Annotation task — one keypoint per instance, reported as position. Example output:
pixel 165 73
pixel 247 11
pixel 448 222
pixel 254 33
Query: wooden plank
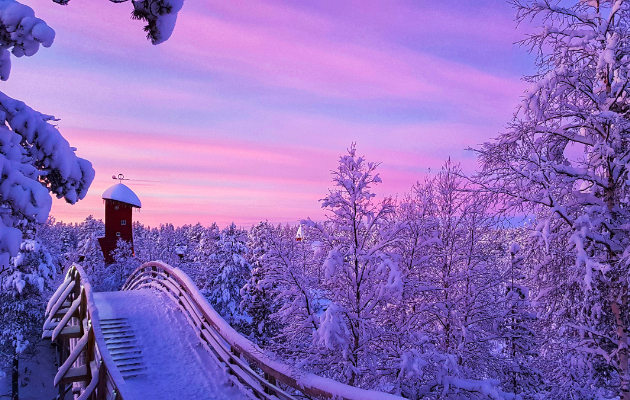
pixel 61 303
pixel 88 391
pixel 76 374
pixel 61 313
pixel 70 332
pixel 272 380
pixel 66 318
pixel 250 382
pixel 55 296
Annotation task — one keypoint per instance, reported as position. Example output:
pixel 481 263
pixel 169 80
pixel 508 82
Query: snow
pixel 36 375
pixel 177 364
pixel 160 16
pixel 23 33
pixel 332 331
pixel 122 193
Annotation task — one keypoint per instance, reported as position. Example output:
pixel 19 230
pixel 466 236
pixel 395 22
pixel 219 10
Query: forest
pixel 433 294
pixel 510 282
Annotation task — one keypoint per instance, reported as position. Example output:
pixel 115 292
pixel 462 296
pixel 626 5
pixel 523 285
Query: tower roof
pixel 122 193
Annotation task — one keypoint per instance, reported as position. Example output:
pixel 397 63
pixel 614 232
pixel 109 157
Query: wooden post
pixel 76 291
pixel 62 391
pixel 271 379
pixel 60 352
pixel 101 388
pixel 89 353
pixel 235 354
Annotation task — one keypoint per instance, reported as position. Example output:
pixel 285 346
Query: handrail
pixel 241 356
pixel 84 361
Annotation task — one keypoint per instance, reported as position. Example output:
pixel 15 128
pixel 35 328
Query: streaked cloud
pixel 241 115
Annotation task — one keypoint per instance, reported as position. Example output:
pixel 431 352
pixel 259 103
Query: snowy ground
pixel 178 367
pixel 36 375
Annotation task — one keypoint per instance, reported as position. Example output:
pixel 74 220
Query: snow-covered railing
pixel 72 322
pixel 242 357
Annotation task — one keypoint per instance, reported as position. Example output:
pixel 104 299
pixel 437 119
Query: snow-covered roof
pixel 122 193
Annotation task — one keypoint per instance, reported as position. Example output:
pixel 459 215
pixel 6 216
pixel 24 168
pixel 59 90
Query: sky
pixel 242 114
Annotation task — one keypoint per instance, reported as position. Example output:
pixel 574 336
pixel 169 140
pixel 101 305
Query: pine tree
pixel 22 288
pixel 288 271
pixel 259 304
pixel 203 269
pixel 124 264
pixel 233 271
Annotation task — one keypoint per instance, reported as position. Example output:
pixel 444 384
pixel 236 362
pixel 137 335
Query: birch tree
pixel 452 254
pixel 565 158
pixel 360 276
pixel 282 297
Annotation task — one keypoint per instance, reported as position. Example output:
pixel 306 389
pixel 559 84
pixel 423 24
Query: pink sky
pixel 243 112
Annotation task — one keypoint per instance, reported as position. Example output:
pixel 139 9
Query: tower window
pixel 123 222
pixel 115 207
pixel 117 233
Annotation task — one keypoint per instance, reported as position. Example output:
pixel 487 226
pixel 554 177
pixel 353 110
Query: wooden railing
pixel 85 365
pixel 242 358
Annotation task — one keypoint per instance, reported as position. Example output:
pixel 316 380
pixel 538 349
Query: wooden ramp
pixel 156 350
pixel 159 338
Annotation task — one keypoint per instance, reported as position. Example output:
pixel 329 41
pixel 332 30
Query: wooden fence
pixel 85 366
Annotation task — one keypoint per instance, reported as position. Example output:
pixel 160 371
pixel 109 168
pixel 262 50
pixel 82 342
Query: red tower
pixel 119 204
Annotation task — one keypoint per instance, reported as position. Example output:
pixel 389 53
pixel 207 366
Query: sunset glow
pixel 243 112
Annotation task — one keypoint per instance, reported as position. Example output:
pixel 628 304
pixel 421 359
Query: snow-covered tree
pixel 259 291
pixel 232 271
pixel 517 330
pixel 36 158
pixel 451 264
pixel 145 242
pixel 360 276
pixel 201 267
pixel 258 303
pixel 160 16
pixel 111 277
pixel 207 243
pixel 168 241
pixel 22 286
pixel 286 270
pixel 59 239
pixel 565 159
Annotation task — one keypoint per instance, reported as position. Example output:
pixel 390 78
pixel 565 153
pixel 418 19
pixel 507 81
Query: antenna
pixel 120 177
